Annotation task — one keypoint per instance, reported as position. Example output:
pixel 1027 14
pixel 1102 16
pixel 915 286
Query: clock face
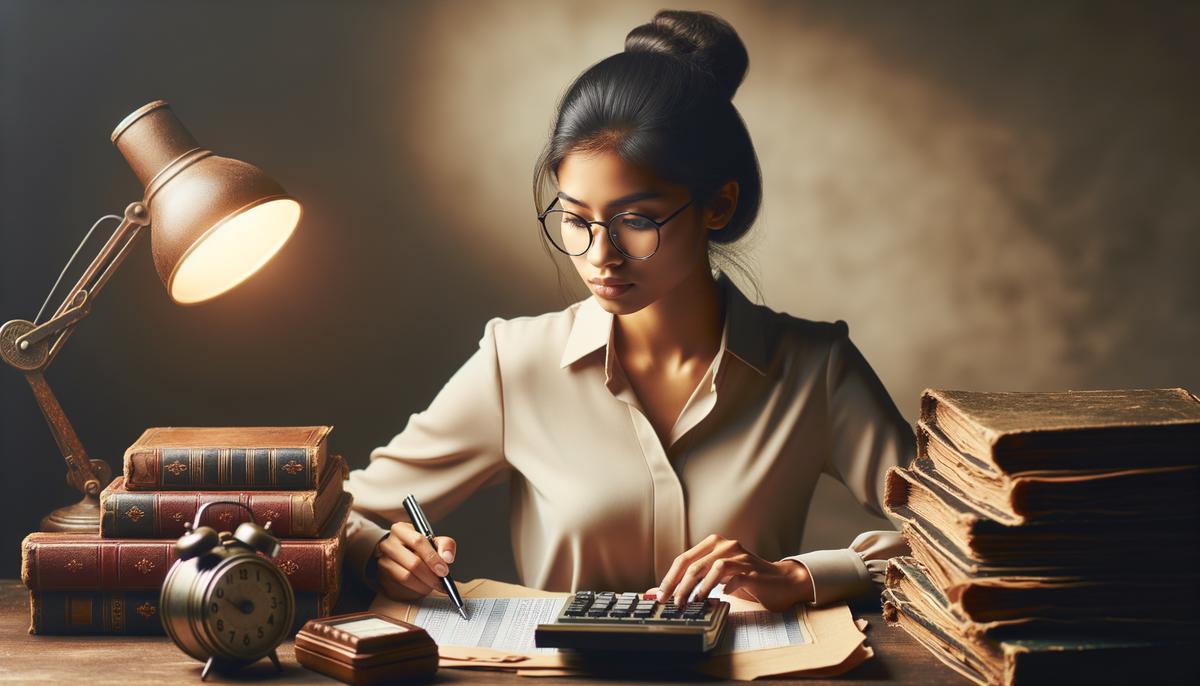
pixel 247 607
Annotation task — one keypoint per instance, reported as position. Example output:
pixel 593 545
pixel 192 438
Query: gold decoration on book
pixel 73 565
pixel 146 610
pixel 289 567
pixel 143 565
pixel 225 517
pixel 118 614
pixel 176 467
pixel 292 467
pixel 135 513
pixel 271 515
pixel 177 517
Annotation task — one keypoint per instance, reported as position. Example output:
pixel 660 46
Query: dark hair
pixel 665 104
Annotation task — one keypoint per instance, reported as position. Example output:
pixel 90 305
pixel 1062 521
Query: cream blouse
pixel 597 500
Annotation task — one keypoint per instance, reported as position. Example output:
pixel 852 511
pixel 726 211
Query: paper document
pixel 761 629
pixel 500 623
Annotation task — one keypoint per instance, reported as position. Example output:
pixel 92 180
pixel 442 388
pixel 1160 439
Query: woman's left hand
pixel 716 560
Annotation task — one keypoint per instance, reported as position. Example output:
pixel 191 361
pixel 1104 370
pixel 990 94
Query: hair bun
pixel 702 39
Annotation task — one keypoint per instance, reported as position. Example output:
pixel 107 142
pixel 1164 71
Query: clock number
pixel 213 608
pixel 271 619
pixel 243 574
pixel 260 632
pixel 246 640
pixel 268 587
pixel 220 592
pixel 273 603
pixel 220 625
pixel 231 633
pixel 229 577
pixel 258 575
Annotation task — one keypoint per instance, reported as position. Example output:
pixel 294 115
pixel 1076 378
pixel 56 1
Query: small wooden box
pixel 366 648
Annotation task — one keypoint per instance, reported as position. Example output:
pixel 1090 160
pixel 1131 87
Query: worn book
pixel 79 561
pixel 164 514
pixel 1067 654
pixel 131 613
pixel 1014 432
pixel 1048 494
pixel 984 535
pixel 998 600
pixel 233 457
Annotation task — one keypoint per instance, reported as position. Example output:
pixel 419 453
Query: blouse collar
pixel 742 333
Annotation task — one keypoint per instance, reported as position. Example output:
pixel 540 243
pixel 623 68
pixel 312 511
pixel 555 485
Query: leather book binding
pixel 235 458
pixel 1012 432
pixel 82 561
pixel 163 514
pixel 131 613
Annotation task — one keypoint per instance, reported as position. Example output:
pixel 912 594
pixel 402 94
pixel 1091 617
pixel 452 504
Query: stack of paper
pixel 805 641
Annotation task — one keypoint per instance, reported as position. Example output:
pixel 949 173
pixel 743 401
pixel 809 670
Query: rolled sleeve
pixel 844 573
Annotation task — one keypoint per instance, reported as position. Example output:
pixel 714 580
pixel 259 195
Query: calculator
pixel 634 622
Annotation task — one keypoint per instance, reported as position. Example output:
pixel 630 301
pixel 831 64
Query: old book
pixel 994 601
pixel 1046 494
pixel 75 561
pixel 1014 432
pixel 233 457
pixel 131 613
pixel 163 514
pixel 1071 656
pixel 983 535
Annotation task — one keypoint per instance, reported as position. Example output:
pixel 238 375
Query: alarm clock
pixel 222 602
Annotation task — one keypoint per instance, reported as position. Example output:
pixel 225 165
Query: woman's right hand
pixel 409 567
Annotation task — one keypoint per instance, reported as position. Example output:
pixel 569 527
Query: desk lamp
pixel 213 221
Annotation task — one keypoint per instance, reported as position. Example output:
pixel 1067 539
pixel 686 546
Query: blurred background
pixel 1000 196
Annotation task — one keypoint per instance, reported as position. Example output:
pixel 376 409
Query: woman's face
pixel 597 185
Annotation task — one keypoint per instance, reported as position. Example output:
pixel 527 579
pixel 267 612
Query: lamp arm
pixel 24 346
pixel 84 473
pixel 78 303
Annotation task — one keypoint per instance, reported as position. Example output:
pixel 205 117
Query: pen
pixel 417 517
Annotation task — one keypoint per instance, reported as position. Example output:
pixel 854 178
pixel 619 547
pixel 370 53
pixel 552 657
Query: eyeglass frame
pixel 608 229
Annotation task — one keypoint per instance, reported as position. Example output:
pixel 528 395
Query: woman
pixel 665 432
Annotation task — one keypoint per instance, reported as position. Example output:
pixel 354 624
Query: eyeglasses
pixel 634 235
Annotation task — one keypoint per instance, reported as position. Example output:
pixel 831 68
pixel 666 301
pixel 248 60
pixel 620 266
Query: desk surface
pixel 141 660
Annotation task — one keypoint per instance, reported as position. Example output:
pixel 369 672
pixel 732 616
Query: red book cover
pixel 163 514
pixel 75 561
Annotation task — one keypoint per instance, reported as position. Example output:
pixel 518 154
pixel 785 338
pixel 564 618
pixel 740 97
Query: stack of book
pixel 1053 535
pixel 108 582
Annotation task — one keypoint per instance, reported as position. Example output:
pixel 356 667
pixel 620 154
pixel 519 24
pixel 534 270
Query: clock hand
pixel 246 606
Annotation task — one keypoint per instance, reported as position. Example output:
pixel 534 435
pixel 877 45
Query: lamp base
pixel 83 516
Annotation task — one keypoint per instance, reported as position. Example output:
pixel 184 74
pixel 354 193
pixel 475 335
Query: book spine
pixel 221 468
pixel 134 565
pixel 125 514
pixel 130 613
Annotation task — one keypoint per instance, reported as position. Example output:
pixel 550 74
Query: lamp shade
pixel 214 221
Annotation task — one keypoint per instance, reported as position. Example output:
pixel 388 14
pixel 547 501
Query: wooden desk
pixel 151 660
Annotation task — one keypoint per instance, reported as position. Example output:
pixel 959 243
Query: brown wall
pixel 992 195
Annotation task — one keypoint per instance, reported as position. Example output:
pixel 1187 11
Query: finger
pixel 696 571
pixel 720 572
pixel 414 541
pixel 679 566
pixel 403 577
pixel 446 547
pixel 408 559
pixel 654 592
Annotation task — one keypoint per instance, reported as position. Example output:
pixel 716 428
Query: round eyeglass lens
pixel 636 235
